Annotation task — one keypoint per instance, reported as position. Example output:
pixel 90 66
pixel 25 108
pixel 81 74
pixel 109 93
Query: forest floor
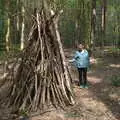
pixel 101 101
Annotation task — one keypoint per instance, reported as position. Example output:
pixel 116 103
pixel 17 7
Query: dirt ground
pixel 101 101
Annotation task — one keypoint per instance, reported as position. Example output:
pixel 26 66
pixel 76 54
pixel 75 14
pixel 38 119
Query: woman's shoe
pixel 86 86
pixel 81 86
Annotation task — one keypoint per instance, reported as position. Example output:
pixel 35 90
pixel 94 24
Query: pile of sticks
pixel 42 79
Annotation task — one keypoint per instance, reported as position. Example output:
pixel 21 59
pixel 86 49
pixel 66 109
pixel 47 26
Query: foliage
pixel 114 51
pixel 23 113
pixel 75 23
pixel 115 80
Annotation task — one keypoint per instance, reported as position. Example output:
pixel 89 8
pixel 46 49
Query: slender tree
pixel 103 21
pixel 22 28
pixel 93 23
pixel 7 38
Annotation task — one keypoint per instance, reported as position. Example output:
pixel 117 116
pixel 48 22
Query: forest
pixel 39 40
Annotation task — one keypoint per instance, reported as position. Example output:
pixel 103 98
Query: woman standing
pixel 81 61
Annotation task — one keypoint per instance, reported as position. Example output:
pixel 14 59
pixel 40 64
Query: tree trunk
pixel 8 35
pixel 23 29
pixel 18 19
pixel 103 23
pixel 93 24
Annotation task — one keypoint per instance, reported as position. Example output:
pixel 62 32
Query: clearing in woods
pixel 101 101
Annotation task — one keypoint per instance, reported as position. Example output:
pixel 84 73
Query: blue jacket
pixel 81 59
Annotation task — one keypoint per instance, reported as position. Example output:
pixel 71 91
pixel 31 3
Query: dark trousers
pixel 82 76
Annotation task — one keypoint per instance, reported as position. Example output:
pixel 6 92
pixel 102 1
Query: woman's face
pixel 80 47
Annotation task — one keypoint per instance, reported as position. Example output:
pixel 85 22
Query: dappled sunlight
pixel 115 96
pixel 96 102
pixel 100 107
pixel 102 98
pixel 109 96
pixel 114 65
pixel 94 80
pixel 111 93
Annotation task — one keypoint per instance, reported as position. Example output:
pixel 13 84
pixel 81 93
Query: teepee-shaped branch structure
pixel 42 78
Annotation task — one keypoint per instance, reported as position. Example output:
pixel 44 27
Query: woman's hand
pixel 71 60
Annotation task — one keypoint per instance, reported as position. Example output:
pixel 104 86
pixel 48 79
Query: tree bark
pixel 8 35
pixel 93 24
pixel 103 21
pixel 41 80
pixel 23 28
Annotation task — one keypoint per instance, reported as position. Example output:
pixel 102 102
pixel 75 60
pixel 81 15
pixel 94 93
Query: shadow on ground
pixel 100 85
